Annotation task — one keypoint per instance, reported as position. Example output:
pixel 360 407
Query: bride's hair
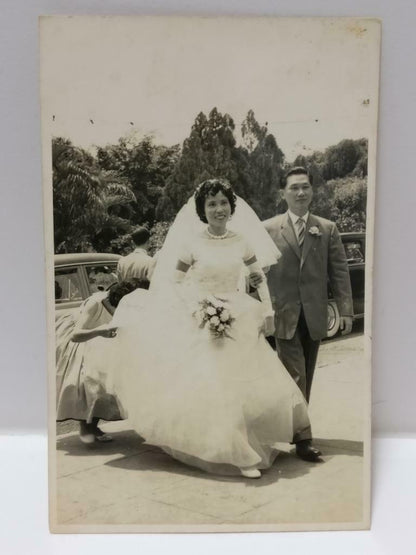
pixel 211 187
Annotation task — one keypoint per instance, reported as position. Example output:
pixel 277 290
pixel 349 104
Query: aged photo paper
pixel 169 410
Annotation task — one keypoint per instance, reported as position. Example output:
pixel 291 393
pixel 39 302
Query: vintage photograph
pixel 209 190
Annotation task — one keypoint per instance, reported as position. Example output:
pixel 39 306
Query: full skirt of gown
pixel 220 404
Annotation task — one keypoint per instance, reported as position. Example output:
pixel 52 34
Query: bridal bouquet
pixel 215 314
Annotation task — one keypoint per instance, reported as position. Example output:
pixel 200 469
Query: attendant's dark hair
pixel 140 236
pixel 210 188
pixel 117 291
pixel 297 170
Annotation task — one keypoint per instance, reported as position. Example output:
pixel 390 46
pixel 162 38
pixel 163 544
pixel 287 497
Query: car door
pixel 100 276
pixel 70 287
pixel 355 251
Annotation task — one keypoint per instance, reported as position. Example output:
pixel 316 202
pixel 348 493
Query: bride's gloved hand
pixel 255 279
pixel 269 327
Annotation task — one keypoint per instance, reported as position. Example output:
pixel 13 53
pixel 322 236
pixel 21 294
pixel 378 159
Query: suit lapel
pixel 289 235
pixel 309 238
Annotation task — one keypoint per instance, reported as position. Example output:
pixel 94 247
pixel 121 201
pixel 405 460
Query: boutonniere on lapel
pixel 315 231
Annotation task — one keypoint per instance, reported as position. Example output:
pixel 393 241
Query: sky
pixel 313 81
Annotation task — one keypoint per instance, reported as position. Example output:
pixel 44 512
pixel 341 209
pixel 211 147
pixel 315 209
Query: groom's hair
pixel 211 187
pixel 297 170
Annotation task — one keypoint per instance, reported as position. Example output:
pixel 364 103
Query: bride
pixel 194 369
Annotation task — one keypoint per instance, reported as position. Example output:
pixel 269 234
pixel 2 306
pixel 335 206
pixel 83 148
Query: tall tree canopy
pixel 261 163
pixel 208 152
pixel 87 200
pixel 253 168
pixel 145 167
pixel 99 199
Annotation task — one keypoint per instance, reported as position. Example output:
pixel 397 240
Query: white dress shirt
pixel 138 264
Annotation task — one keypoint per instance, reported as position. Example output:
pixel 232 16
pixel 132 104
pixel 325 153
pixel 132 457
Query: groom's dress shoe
pixel 306 452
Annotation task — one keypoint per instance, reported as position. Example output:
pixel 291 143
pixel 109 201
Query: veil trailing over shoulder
pixel 187 225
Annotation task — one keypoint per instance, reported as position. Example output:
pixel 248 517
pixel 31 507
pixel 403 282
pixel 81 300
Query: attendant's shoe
pixel 85 434
pixel 306 452
pixel 101 436
pixel 250 472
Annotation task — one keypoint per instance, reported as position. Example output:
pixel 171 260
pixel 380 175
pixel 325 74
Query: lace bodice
pixel 217 265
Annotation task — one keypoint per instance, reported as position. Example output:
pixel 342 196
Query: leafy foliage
pixel 145 167
pixel 88 202
pixel 157 237
pixel 99 200
pixel 261 167
pixel 348 157
pixel 208 152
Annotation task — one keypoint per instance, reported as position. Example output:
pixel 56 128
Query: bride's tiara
pixel 213 181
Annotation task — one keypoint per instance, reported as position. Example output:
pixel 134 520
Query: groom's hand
pixel 345 325
pixel 255 278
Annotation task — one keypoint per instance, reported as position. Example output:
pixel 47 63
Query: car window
pixel 354 252
pixel 101 276
pixel 67 285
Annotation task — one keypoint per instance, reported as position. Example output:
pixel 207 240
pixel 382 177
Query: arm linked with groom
pixel 312 255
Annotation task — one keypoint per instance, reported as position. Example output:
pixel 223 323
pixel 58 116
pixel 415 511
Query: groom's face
pixel 298 193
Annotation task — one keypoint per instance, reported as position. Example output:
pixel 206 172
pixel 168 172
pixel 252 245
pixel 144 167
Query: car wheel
pixel 333 319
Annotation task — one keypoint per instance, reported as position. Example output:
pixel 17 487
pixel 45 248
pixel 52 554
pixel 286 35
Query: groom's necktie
pixel 300 224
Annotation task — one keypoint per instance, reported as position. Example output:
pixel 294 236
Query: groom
pixel 312 256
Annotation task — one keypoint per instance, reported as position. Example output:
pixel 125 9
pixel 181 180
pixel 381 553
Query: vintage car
pixel 77 276
pixel 354 244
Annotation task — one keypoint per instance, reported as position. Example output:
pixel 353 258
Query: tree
pixel 208 152
pixel 350 200
pixel 145 166
pixel 341 159
pixel 86 199
pixel 343 201
pixel 315 166
pixel 253 168
pixel 262 170
pixel 99 199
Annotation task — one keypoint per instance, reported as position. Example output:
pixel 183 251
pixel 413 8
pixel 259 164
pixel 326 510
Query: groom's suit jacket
pixel 300 278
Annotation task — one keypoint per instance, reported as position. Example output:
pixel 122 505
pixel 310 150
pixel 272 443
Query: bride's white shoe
pixel 250 472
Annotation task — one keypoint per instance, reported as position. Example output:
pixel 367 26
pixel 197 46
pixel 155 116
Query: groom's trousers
pixel 299 356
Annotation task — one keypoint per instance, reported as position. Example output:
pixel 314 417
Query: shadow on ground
pixel 136 455
pixel 331 447
pixel 125 443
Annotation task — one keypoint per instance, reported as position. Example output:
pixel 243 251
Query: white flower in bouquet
pixel 214 320
pixel 216 313
pixel 212 300
pixel 225 315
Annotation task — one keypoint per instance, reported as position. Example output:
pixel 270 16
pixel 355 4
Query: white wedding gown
pixel 218 404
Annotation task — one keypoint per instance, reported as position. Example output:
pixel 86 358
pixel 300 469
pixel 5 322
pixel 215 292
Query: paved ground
pixel 129 482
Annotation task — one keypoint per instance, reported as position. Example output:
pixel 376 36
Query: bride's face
pixel 217 209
